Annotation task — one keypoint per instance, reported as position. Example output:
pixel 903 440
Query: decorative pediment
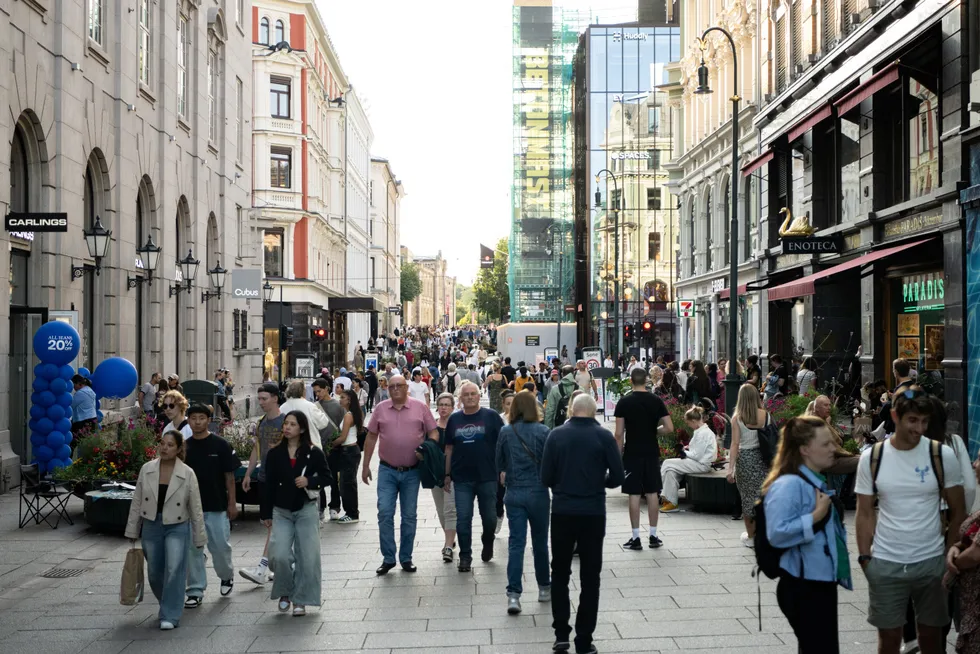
pixel 216 23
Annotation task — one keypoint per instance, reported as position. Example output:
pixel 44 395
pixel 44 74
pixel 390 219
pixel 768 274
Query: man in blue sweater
pixel 581 460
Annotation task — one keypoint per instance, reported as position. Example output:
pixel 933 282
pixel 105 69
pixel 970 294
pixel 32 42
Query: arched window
pixel 690 237
pixel 707 230
pixel 264 31
pixel 280 32
pixel 94 197
pixel 212 315
pixel 145 209
pixel 182 226
pixel 656 291
pixel 726 223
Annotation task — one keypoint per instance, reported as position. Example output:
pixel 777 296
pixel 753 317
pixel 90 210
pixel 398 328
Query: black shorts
pixel 642 475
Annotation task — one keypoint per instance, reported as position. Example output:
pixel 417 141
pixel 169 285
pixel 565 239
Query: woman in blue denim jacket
pixel 520 447
pixel 805 518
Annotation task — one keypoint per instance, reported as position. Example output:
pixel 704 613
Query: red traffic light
pixel 647 325
pixel 319 332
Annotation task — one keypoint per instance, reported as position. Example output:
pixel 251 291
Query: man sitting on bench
pixel 698 457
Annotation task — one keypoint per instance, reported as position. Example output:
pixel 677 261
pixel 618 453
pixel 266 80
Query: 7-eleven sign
pixel 685 308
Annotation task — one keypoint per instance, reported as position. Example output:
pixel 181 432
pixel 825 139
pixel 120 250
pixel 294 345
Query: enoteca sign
pixel 813 244
pixel 246 283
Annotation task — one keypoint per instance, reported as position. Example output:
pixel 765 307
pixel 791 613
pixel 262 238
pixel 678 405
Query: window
pixel 280 32
pixel 616 196
pixel 96 18
pixel 653 159
pixel 182 57
pixel 281 167
pixel 371 192
pixel 237 341
pixel 653 199
pixel 239 119
pixel 212 96
pixel 726 227
pixel 780 49
pixel 850 166
pixel 239 11
pixel 653 246
pixel 796 33
pixel 240 329
pixel 241 225
pixel 923 139
pixel 264 31
pixel 373 276
pixel 708 217
pixel 279 88
pixel 653 120
pixel 829 24
pixel 272 244
pixel 144 41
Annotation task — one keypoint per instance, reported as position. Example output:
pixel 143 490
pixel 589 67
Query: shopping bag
pixel 131 586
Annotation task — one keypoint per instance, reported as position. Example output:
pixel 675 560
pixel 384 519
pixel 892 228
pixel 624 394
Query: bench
pixel 710 492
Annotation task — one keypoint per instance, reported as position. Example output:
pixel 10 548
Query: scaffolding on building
pixel 541 250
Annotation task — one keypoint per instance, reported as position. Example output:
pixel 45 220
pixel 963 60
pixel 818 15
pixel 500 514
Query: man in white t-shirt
pixel 907 559
pixel 418 389
pixel 148 394
pixel 584 380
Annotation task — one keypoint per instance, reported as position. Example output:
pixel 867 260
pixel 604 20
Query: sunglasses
pixel 169 405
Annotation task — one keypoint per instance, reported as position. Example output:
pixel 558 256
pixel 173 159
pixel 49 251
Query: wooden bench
pixel 710 492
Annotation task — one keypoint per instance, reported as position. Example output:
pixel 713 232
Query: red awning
pixel 811 121
pixel 804 286
pixel 884 77
pixel 758 162
pixel 725 292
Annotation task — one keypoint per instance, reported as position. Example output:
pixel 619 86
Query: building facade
pixel 362 323
pixel 436 303
pixel 863 131
pixel 384 270
pixel 701 178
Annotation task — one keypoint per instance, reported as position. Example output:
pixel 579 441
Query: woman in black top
pixel 295 471
pixel 698 384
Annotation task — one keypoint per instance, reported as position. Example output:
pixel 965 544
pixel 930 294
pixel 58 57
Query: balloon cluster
pixel 56 345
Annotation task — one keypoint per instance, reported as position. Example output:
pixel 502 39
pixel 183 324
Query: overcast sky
pixel 435 76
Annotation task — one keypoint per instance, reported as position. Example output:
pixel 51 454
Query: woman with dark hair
pixel 753 373
pixel 345 456
pixel 802 520
pixel 716 388
pixel 776 381
pixel 698 384
pixel 806 378
pixel 295 472
pixel 668 386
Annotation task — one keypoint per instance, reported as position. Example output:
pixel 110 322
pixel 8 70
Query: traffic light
pixel 627 332
pixel 285 337
pixel 319 333
pixel 647 326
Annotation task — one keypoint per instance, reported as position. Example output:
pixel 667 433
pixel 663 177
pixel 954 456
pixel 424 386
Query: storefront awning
pixel 355 305
pixel 808 123
pixel 758 162
pixel 884 77
pixel 725 292
pixel 805 286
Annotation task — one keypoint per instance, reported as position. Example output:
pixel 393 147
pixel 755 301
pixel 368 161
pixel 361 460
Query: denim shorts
pixel 890 585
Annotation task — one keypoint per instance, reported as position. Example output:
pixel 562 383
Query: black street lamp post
pixel 732 380
pixel 615 214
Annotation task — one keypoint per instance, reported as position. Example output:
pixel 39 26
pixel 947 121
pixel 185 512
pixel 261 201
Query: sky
pixel 435 77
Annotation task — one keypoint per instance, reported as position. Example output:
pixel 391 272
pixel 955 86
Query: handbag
pixel 131 585
pixel 314 495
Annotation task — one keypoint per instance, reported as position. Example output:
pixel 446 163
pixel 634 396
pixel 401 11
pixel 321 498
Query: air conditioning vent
pixel 854 19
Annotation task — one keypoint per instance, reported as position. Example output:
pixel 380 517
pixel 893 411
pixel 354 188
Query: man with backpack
pixel 556 406
pixel 902 548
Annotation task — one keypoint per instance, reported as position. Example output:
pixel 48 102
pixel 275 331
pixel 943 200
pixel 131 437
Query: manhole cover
pixel 62 573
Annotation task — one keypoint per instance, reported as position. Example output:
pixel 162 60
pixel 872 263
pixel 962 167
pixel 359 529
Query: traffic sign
pixel 593 357
pixel 685 308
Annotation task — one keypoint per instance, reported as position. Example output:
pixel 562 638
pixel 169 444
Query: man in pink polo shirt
pixel 398 426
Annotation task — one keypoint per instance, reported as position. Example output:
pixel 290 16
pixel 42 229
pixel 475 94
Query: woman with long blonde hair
pixel 746 468
pixel 802 520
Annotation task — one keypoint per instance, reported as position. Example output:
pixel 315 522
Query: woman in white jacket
pixel 167 501
pixel 700 453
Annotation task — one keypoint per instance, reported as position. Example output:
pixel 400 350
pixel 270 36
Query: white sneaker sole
pixel 254 578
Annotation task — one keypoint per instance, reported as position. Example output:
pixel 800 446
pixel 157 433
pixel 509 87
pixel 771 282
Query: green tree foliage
pixel 411 282
pixel 491 293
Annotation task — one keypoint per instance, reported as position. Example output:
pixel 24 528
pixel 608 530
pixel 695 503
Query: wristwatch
pixel 864 558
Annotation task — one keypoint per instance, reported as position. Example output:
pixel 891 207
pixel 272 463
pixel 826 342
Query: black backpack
pixel 451 383
pixel 768 440
pixel 561 411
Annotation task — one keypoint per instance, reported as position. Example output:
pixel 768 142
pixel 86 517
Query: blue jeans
pixel 527 504
pixel 404 487
pixel 219 532
pixel 485 492
pixel 295 539
pixel 165 548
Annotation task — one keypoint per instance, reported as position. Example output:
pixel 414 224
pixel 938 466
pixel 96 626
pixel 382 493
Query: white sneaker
pixel 746 541
pixel 257 575
pixel 283 604
pixel 166 625
pixel 544 594
pixel 500 525
pixel 911 647
pixel 298 611
pixel 334 514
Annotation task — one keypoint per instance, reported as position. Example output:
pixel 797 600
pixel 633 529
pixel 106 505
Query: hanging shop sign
pixel 685 308
pixel 813 244
pixel 36 222
pixel 246 283
pixel 925 292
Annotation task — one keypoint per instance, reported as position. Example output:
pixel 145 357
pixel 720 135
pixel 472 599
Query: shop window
pixel 18 277
pixel 279 90
pixel 280 169
pixel 653 246
pixel 918 325
pixel 653 199
pixel 272 245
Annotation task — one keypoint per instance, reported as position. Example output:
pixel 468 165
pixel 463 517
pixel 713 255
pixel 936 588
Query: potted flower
pixel 116 452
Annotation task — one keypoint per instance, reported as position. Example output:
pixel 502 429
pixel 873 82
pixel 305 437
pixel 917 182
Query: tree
pixel 411 283
pixel 491 293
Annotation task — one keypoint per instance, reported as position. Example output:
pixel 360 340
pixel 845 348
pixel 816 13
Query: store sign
pixel 550 353
pixel 532 341
pixel 812 244
pixel 629 155
pixel 718 285
pixel 617 37
pixel 911 225
pixel 925 292
pixel 36 222
pixel 685 308
pixel 246 283
pixel 24 236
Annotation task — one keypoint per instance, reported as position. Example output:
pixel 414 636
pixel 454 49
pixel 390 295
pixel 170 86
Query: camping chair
pixel 42 499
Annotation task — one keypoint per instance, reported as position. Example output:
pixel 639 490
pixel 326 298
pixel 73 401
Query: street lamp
pixel 267 289
pixel 217 275
pixel 149 254
pixel 732 379
pixel 615 214
pixel 188 271
pixel 97 241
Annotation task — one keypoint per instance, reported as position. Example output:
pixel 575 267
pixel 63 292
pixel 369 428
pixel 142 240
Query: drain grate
pixel 63 573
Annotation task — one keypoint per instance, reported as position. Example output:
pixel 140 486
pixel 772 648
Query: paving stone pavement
pixel 694 595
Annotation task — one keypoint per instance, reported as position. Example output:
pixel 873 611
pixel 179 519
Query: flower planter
pixel 108 510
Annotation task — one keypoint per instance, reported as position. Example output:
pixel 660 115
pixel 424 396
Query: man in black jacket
pixel 581 459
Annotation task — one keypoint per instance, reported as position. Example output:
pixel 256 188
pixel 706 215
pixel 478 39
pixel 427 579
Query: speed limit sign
pixel 593 358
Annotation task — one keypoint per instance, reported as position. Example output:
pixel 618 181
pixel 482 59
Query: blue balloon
pixel 45 399
pixel 39 384
pixel 37 369
pixel 43 453
pixel 55 412
pixel 44 426
pixel 83 371
pixel 99 415
pixel 63 425
pixel 65 400
pixel 67 410
pixel 56 342
pixel 54 464
pixel 114 378
pixel 68 438
pixel 37 440
pixel 37 412
pixel 34 397
pixel 66 372
pixel 63 452
pixel 32 424
pixel 55 440
pixel 59 386
pixel 49 371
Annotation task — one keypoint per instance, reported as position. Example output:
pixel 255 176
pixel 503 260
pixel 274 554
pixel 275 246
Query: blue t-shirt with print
pixel 474 441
